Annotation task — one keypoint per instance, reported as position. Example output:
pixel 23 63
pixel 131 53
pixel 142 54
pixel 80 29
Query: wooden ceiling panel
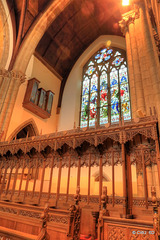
pixel 75 29
pixel 76 48
pixel 51 55
pixel 58 25
pixel 78 21
pixel 62 66
pixel 64 36
pixel 44 44
pixel 72 9
pixel 88 33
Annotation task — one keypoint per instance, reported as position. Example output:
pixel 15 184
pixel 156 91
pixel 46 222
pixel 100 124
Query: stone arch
pixel 23 125
pixel 69 114
pixel 36 32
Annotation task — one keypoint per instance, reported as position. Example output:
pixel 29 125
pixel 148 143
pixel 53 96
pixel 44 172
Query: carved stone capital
pixel 18 75
pixel 12 74
pixel 4 73
pixel 128 18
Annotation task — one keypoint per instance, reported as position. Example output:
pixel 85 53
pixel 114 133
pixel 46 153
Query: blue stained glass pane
pixel 126 110
pixel 113 77
pixel 99 60
pixel 104 115
pixel 85 89
pixel 90 70
pixel 94 83
pixel 109 51
pixel 84 119
pixel 124 93
pixel 97 56
pixel 85 103
pixel 103 50
pixel 117 61
pixel 103 81
pixel 115 112
pixel 123 75
pixel 108 57
pixel 114 82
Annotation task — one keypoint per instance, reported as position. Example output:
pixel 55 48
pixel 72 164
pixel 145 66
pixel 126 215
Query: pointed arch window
pixel 105 88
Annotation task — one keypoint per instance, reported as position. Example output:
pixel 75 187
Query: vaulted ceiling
pixel 72 31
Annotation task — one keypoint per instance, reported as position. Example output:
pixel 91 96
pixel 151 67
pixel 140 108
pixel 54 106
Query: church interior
pixel 81 160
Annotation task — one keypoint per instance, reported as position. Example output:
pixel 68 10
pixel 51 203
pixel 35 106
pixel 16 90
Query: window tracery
pixel 105 88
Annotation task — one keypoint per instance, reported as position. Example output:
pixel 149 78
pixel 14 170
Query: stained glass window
pixel 105 88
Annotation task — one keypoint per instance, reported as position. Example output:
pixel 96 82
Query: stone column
pixel 135 78
pixel 142 54
pixel 131 76
pixel 10 83
pixel 152 70
pixel 136 65
pixel 5 78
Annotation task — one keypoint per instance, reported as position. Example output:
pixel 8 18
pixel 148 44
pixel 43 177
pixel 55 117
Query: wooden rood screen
pixel 48 168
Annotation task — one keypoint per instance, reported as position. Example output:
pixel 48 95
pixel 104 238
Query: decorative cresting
pixel 10 82
pixel 73 138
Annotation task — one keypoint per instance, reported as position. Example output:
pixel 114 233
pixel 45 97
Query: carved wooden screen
pixel 105 88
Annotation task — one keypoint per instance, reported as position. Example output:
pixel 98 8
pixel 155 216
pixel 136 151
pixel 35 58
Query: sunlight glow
pixel 125 2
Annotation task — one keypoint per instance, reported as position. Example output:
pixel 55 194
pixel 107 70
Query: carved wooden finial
pixel 155 210
pixel 77 196
pixel 104 200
